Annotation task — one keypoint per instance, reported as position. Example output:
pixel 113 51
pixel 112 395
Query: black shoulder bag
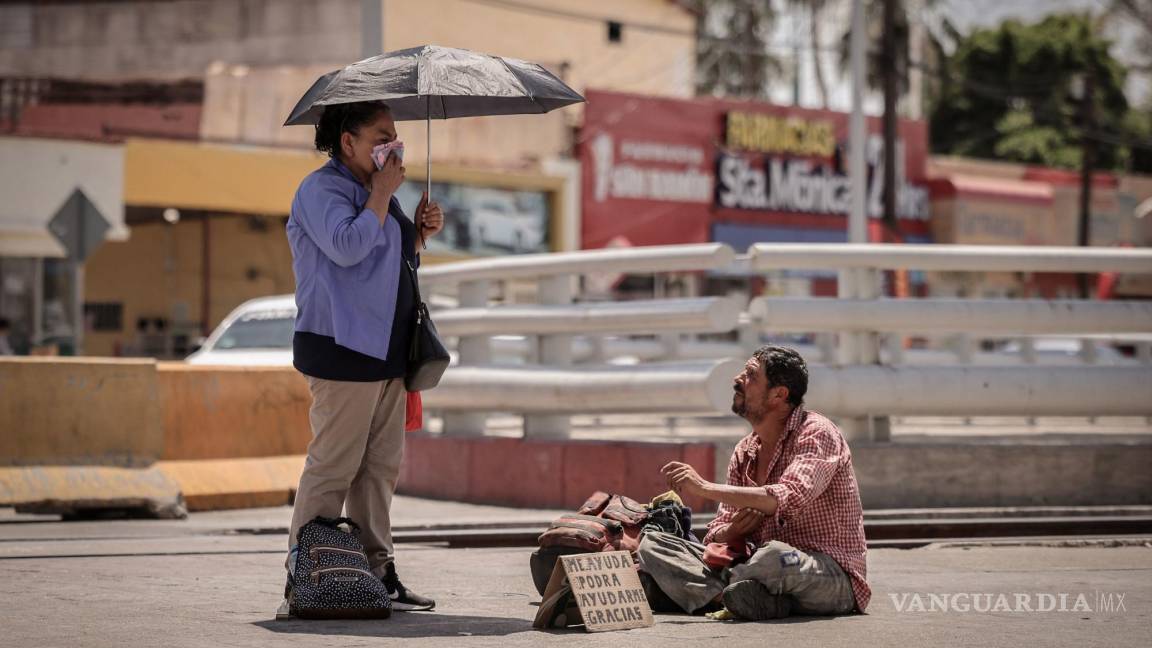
pixel 427 357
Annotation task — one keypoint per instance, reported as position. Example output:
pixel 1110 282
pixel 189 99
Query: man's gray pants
pixel 815 581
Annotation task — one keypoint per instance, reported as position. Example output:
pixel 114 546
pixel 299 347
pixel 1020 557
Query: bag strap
pixel 412 276
pixel 334 523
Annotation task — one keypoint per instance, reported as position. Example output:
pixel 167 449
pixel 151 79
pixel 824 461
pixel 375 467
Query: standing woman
pixel 351 243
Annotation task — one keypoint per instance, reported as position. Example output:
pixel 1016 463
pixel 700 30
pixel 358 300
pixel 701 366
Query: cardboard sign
pixel 605 589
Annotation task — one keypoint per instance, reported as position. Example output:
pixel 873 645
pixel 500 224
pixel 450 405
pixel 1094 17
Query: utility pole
pixel 1087 160
pixel 371 28
pixel 891 94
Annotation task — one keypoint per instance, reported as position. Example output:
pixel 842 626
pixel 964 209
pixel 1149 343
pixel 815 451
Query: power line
pixel 714 41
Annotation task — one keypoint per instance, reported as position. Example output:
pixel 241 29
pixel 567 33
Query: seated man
pixel 791 492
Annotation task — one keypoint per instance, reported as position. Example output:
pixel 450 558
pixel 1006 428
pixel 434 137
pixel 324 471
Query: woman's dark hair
pixel 784 367
pixel 338 119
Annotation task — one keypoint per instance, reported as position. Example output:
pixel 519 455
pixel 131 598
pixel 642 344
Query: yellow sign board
pixel 762 133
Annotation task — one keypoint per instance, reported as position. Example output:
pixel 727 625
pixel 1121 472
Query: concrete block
pixel 645 460
pixel 439 467
pixel 215 484
pixel 516 472
pixel 75 489
pixel 590 466
pixel 233 412
pixel 79 411
pixel 1073 472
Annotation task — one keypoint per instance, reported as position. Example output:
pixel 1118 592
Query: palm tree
pixel 939 35
pixel 815 8
pixel 732 57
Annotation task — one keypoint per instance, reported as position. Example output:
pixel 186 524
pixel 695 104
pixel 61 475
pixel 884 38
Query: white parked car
pixel 256 333
pixel 496 221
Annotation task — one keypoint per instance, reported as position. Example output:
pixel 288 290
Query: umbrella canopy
pixel 432 82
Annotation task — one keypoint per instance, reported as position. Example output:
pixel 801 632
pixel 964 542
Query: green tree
pixel 1015 92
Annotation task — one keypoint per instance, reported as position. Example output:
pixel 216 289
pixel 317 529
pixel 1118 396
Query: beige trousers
pixel 354 459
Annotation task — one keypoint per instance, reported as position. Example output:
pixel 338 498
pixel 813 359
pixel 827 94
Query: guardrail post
pixel 895 344
pixel 472 350
pixel 1144 355
pixel 861 349
pixel 670 343
pixel 1028 356
pixel 1144 352
pixel 748 333
pixel 555 351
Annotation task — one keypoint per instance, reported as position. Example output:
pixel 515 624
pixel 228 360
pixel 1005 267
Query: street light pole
pixel 1087 161
pixel 891 93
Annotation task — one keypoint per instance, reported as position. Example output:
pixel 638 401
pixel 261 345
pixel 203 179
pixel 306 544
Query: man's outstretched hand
pixel 684 479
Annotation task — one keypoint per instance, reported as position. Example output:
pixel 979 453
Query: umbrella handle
pixel 428 163
pixel 428 150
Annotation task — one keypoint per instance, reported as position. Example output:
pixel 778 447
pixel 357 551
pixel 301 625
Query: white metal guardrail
pixel 554 274
pixel 662 387
pixel 990 316
pixel 706 314
pixel 981 391
pixel 637 260
pixel 971 258
pixel 557 333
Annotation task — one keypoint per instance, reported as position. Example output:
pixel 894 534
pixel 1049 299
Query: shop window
pixel 107 317
pixel 615 31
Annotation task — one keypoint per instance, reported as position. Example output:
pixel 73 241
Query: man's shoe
pixel 403 599
pixel 751 600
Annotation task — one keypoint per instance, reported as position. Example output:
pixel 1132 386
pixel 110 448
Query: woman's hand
pixel 429 218
pixel 382 185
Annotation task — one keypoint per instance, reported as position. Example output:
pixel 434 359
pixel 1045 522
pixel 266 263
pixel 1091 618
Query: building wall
pixel 645 62
pixel 249 102
pixel 158 273
pixel 172 39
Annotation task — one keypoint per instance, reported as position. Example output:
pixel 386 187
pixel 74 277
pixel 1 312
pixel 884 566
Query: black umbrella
pixel 432 82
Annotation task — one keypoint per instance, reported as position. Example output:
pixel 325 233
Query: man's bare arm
pixel 684 478
pixel 751 497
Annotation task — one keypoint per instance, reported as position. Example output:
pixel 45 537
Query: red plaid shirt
pixel 811 477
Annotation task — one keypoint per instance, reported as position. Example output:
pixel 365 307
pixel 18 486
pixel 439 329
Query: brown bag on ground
pixel 625 510
pixel 603 523
pixel 585 532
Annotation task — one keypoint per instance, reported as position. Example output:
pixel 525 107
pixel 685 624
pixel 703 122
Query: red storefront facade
pixel 660 171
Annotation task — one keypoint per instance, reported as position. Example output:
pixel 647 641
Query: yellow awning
pixel 214 177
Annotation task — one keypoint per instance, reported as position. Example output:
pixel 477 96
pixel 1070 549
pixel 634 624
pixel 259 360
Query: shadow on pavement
pixel 406 624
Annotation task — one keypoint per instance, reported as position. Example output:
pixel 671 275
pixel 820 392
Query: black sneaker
pixel 403 599
pixel 750 600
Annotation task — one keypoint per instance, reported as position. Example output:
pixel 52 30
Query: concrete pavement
pixel 200 582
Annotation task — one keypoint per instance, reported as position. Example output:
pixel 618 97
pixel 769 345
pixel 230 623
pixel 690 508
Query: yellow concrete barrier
pixel 214 484
pixel 232 412
pixel 64 411
pixel 82 433
pixel 75 489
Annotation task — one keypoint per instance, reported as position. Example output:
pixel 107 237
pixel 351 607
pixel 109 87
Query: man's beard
pixel 739 403
pixel 740 408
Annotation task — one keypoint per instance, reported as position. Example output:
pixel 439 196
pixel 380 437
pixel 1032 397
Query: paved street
pixel 199 583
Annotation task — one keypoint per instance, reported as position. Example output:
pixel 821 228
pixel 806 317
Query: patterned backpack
pixel 330 576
